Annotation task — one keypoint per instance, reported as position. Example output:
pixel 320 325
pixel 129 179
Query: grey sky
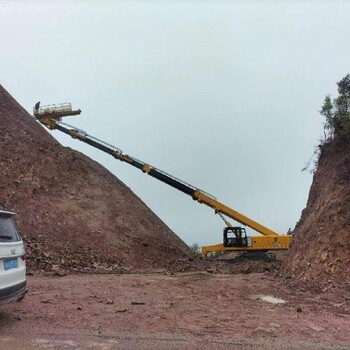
pixel 224 95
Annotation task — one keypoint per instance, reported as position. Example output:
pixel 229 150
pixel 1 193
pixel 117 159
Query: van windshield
pixel 8 232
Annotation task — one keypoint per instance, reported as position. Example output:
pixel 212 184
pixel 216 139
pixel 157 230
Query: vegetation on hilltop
pixel 337 113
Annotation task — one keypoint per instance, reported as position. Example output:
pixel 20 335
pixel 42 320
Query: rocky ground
pixel 197 310
pixel 320 250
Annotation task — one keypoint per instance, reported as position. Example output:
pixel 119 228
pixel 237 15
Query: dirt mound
pixel 320 251
pixel 71 210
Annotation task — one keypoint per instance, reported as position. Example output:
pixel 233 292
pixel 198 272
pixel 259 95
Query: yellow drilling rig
pixel 235 238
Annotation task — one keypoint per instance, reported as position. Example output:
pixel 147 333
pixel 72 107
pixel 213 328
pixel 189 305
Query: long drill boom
pixel 196 193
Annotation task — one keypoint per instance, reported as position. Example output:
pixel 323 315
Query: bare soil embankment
pixel 320 252
pixel 74 213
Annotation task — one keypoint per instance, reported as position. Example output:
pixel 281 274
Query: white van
pixel 12 260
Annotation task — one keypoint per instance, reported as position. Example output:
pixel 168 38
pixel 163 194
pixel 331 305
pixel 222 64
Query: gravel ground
pixel 181 311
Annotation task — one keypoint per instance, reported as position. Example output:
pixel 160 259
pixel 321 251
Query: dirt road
pixel 183 311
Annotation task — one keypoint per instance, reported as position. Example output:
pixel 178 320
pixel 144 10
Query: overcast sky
pixel 222 94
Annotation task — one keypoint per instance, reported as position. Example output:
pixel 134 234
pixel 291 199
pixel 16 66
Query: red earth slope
pixel 320 252
pixel 72 211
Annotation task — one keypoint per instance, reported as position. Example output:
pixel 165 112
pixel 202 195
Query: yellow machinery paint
pixel 258 243
pixel 51 116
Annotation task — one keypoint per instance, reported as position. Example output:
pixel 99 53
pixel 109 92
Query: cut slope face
pixel 320 252
pixel 71 210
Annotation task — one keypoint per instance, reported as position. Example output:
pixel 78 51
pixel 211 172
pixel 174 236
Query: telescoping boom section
pixel 235 238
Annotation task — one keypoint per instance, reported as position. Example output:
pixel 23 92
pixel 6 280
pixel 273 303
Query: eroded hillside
pixel 320 252
pixel 71 210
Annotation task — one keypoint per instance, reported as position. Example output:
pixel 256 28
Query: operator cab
pixel 235 237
